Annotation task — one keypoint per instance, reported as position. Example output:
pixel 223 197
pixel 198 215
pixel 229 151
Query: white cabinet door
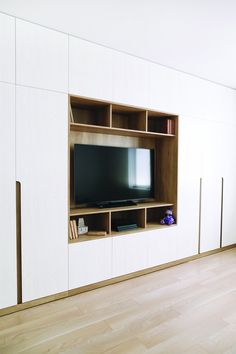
pixel 42 163
pixel 211 187
pixel 210 213
pixel 89 262
pixel 7 48
pixel 162 246
pixel 164 89
pixel 129 253
pixel 130 80
pixel 8 285
pixel 90 69
pixel 41 57
pixel 228 227
pixel 229 194
pixel 189 174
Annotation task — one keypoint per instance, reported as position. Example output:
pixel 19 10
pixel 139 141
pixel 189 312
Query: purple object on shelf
pixel 168 219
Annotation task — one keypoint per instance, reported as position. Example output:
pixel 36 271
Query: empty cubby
pixel 90 113
pixel 127 118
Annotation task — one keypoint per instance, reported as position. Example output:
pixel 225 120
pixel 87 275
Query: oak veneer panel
pixel 152 204
pixel 128 118
pixel 90 112
pixel 95 222
pixel 167 171
pixel 129 217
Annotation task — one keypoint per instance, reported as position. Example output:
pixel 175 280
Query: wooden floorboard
pixel 189 308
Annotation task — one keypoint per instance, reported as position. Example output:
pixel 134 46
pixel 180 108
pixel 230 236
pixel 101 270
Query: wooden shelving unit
pixel 101 219
pixel 105 123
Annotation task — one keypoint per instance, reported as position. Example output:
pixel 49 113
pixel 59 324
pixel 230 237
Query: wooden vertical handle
pixel 18 242
pixel 222 209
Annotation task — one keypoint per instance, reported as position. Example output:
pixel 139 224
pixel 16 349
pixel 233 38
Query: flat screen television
pixel 111 174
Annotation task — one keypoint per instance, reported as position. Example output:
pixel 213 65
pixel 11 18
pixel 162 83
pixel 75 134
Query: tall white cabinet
pixel 41 158
pixel 41 57
pixel 8 284
pixel 211 194
pixel 41 168
pixel 8 271
pixel 229 186
pixel 189 175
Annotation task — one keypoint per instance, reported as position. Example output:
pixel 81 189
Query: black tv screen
pixel 105 174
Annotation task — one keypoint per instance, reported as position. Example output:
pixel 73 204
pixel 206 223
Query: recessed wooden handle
pixel 222 209
pixel 18 242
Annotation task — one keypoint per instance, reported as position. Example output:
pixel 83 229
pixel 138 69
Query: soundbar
pixel 124 227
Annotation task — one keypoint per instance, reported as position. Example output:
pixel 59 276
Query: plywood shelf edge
pixel 82 211
pixel 116 131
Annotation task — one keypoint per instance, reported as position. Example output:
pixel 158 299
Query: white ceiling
pixel 194 36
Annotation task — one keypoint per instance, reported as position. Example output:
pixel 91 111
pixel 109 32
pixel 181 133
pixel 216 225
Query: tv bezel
pixel 135 200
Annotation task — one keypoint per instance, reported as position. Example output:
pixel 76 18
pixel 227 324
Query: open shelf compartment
pixel 90 113
pixel 129 118
pixel 154 216
pixel 159 123
pixel 127 217
pixel 94 222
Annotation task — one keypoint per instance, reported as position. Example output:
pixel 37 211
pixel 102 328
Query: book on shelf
pixel 72 230
pixel 71 115
pixel 75 229
pixel 70 233
pixel 170 126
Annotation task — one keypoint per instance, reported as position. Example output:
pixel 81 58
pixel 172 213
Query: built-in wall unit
pixel 96 145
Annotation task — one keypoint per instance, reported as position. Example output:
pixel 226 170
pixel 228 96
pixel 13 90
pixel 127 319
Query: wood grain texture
pixel 189 308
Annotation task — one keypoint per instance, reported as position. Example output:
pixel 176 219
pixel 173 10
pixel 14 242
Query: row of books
pixel 73 232
pixel 71 116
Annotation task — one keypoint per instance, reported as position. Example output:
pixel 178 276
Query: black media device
pixel 123 225
pixel 109 176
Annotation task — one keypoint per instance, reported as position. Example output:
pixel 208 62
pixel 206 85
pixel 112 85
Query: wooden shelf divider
pixel 143 214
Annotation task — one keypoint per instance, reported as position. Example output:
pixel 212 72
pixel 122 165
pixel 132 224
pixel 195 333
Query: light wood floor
pixel 190 308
